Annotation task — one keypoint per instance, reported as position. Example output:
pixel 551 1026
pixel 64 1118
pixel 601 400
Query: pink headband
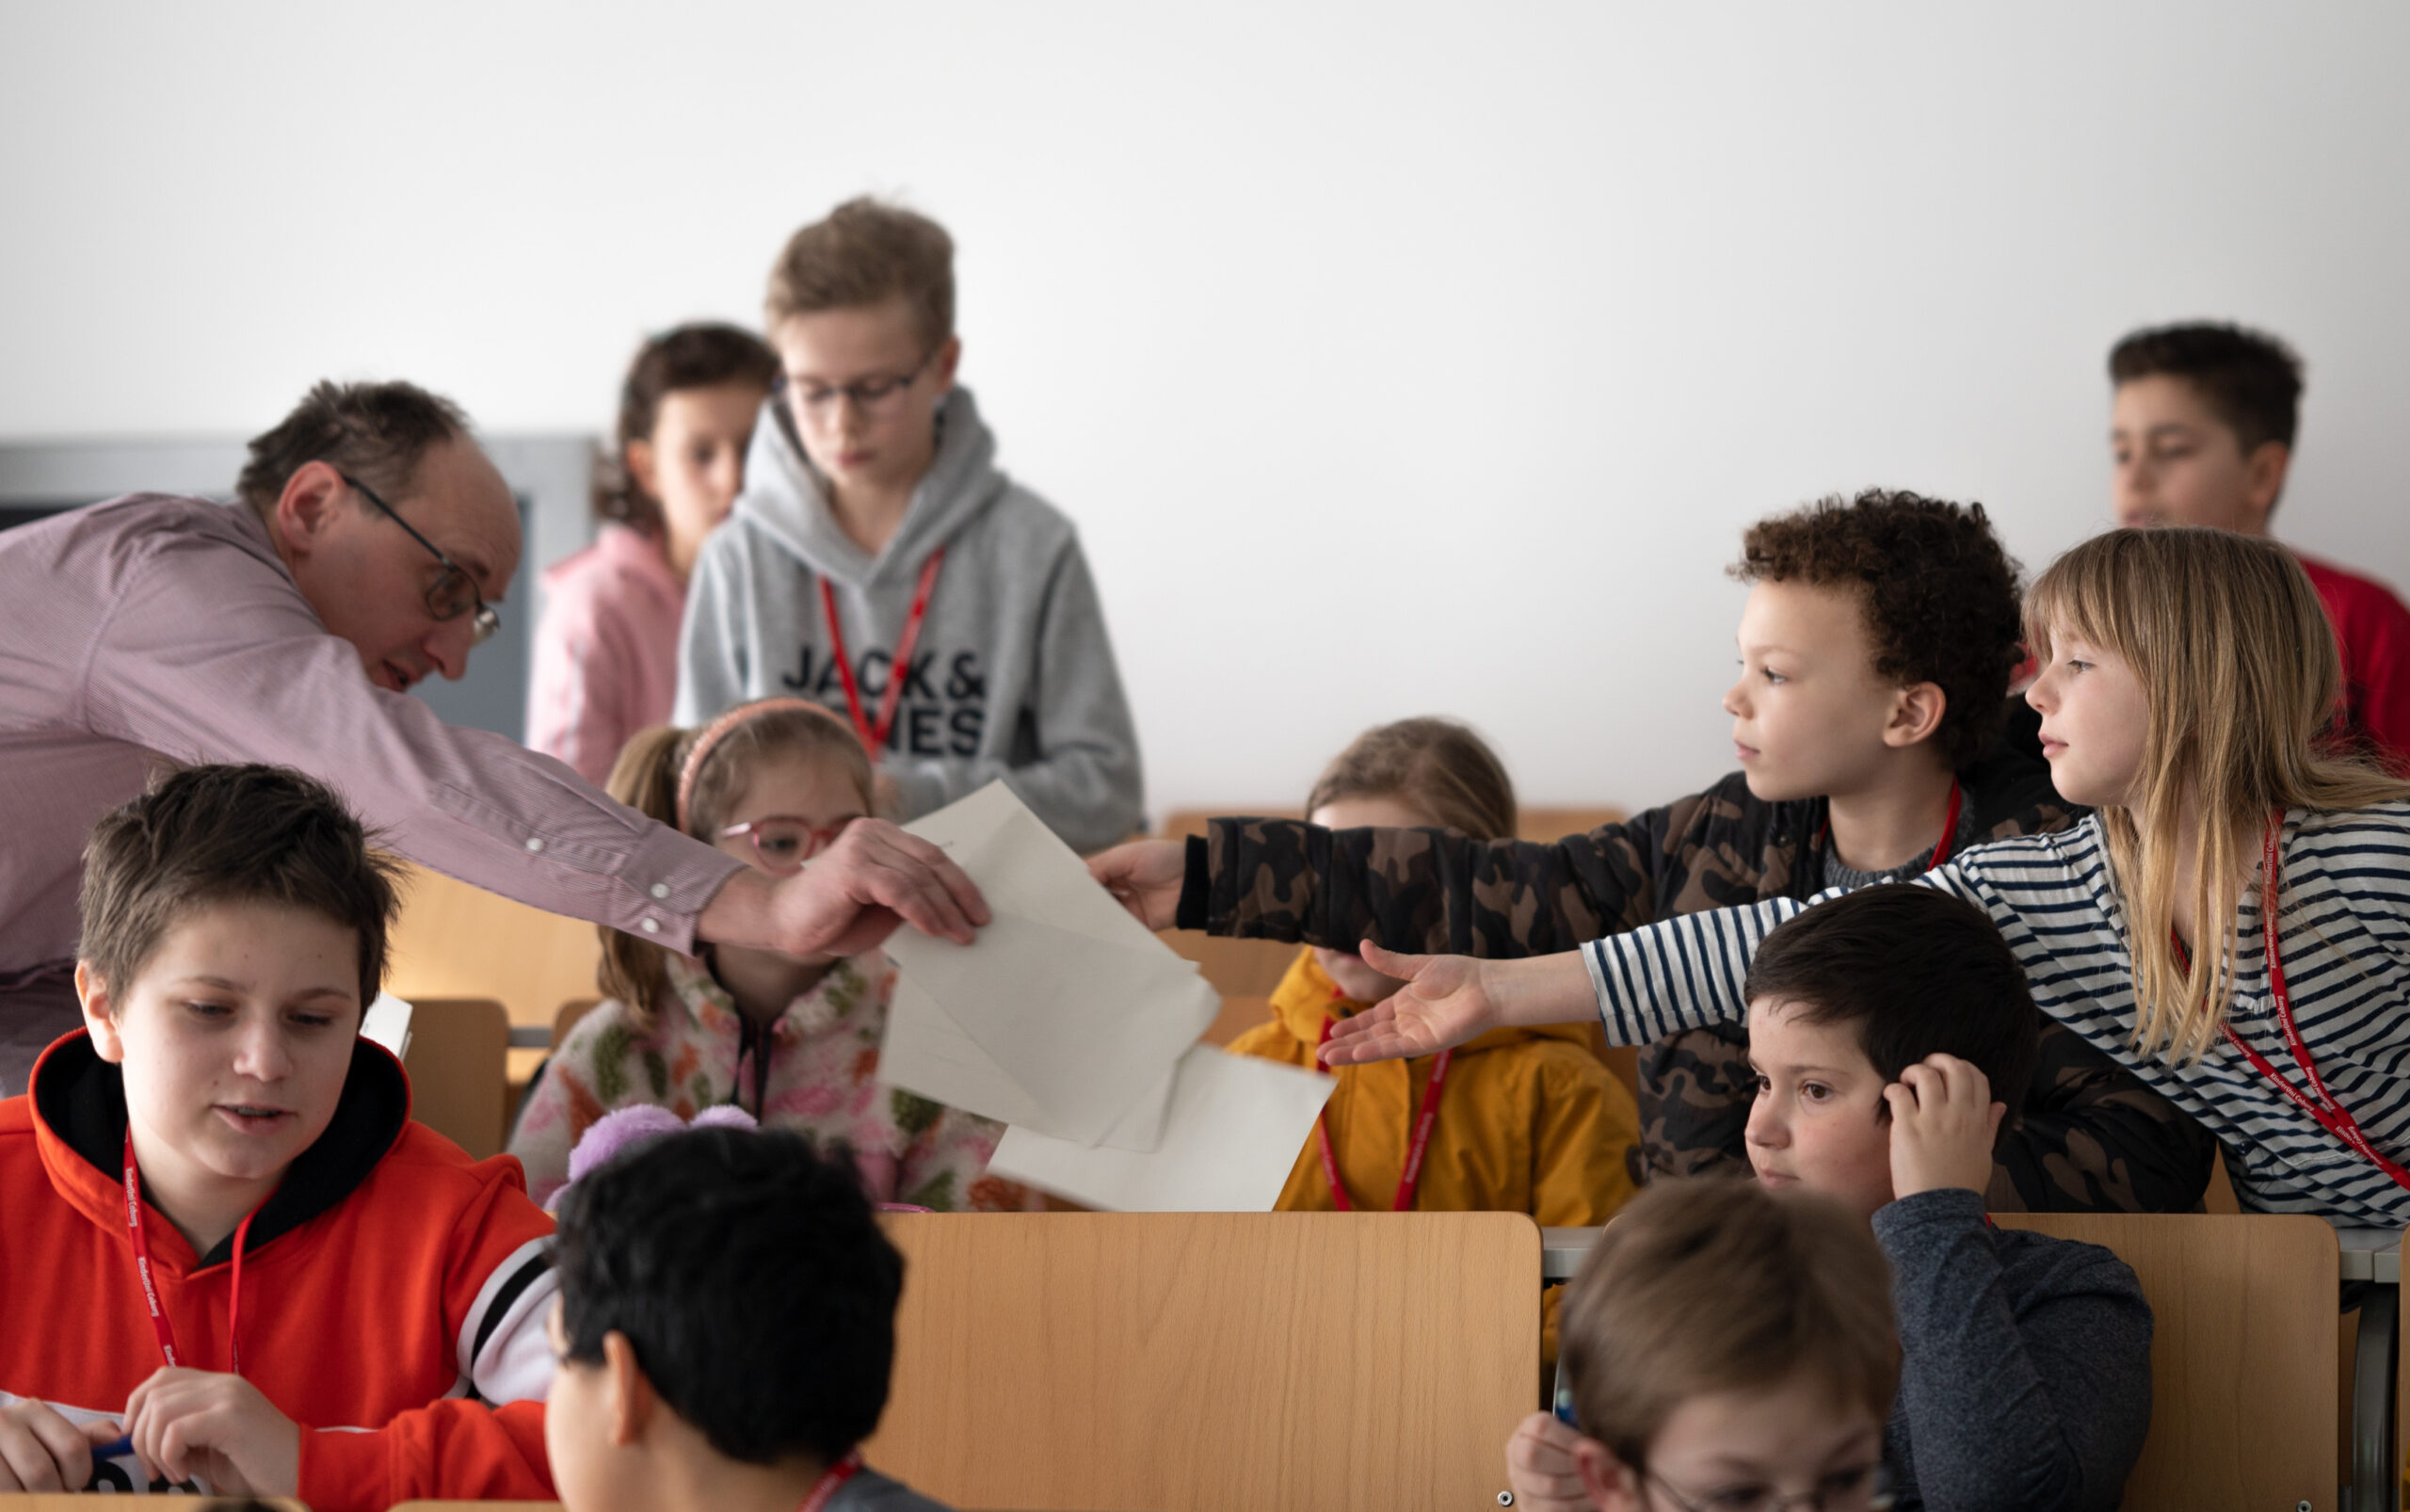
pixel 716 732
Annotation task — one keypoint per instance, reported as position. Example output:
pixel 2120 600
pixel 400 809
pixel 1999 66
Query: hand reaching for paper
pixel 1445 1001
pixel 1144 876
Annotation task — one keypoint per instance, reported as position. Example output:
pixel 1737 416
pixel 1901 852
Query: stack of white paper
pixel 1069 1021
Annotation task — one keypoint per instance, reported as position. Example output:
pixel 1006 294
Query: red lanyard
pixel 1409 1178
pixel 159 1324
pixel 2331 1115
pixel 829 1484
pixel 1949 829
pixel 875 735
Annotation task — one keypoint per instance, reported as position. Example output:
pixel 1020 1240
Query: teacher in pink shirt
pixel 369 551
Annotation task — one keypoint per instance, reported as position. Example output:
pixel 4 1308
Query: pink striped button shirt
pixel 152 626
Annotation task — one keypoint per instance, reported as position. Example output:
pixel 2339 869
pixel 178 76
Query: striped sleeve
pixel 1683 972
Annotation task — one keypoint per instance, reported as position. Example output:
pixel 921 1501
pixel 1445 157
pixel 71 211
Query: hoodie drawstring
pixel 159 1324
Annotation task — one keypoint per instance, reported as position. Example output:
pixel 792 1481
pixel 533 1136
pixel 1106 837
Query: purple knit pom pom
pixel 615 1131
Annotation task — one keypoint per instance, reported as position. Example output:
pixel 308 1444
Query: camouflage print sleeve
pixel 2094 1139
pixel 1429 890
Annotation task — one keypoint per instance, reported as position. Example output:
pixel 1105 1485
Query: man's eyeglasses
pixel 453 592
pixel 784 843
pixel 867 393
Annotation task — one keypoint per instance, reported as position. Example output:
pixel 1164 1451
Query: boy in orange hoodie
pixel 228 1256
pixel 1520 1120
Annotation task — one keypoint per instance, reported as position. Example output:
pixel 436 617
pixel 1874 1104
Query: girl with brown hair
pixel 793 1042
pixel 1520 1121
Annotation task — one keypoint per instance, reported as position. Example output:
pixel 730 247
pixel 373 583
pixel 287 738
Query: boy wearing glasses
pixel 880 564
pixel 1890 1030
pixel 792 1041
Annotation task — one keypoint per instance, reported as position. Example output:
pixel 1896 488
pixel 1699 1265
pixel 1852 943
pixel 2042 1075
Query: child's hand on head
pixel 219 1427
pixel 1943 1123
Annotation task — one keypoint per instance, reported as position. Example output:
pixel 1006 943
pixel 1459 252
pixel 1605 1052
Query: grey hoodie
pixel 1013 676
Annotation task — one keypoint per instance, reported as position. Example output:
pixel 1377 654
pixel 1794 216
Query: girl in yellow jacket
pixel 1520 1120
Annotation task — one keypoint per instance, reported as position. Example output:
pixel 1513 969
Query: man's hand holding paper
pixel 1066 1016
pixel 1068 1020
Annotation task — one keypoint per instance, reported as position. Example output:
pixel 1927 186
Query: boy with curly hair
pixel 2201 433
pixel 1875 650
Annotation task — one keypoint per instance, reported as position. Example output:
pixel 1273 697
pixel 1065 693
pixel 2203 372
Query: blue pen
pixel 114 1448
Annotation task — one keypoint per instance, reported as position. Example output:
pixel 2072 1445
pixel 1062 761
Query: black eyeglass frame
pixel 484 622
pixel 786 386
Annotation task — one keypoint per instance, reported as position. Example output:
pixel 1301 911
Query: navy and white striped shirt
pixel 2345 924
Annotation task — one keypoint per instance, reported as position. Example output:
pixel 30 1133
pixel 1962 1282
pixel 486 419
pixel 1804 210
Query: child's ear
pixel 2263 473
pixel 100 1015
pixel 949 358
pixel 630 1401
pixel 643 467
pixel 1916 714
pixel 1609 1482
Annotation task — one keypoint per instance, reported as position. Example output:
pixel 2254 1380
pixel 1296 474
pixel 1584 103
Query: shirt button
pixel 651 926
pixel 535 843
pixel 661 890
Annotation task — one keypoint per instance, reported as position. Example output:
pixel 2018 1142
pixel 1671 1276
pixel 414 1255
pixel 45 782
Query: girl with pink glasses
pixel 795 1042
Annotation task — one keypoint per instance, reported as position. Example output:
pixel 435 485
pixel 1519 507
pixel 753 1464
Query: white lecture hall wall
pixel 1393 359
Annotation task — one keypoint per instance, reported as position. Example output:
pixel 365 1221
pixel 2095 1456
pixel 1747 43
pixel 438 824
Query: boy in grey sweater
pixel 1890 1030
pixel 879 563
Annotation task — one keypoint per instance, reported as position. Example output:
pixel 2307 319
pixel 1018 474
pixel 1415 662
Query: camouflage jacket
pixel 2091 1136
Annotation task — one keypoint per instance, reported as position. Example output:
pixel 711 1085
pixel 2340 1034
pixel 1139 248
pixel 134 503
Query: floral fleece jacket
pixel 822 1079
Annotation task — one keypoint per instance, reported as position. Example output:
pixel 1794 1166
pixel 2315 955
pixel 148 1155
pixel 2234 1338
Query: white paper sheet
pixel 388 1022
pixel 1229 1140
pixel 1065 1016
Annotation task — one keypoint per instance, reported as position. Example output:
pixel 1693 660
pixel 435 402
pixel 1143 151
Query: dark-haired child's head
pixel 1414 774
pixel 1722 1339
pixel 1878 628
pixel 1850 995
pixel 686 414
pixel 2202 426
pixel 234 933
pixel 726 1300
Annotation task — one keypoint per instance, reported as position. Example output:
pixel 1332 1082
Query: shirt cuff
pixel 1195 887
pixel 1942 1207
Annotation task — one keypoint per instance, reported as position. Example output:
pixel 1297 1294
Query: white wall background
pixel 1393 358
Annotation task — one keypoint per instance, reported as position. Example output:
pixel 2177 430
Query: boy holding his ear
pixel 228 1256
pixel 1888 1030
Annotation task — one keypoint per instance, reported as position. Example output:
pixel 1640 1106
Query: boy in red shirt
pixel 2202 433
pixel 312 1295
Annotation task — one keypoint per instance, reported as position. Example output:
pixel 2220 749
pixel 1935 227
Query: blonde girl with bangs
pixel 795 1042
pixel 2189 691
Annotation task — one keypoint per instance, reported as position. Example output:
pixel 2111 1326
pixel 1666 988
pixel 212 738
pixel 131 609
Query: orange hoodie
pixel 391 1288
pixel 1529 1120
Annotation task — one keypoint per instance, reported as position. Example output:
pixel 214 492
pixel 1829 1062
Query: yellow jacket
pixel 1529 1120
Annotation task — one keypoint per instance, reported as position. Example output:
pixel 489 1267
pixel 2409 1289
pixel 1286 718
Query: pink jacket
pixel 606 650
